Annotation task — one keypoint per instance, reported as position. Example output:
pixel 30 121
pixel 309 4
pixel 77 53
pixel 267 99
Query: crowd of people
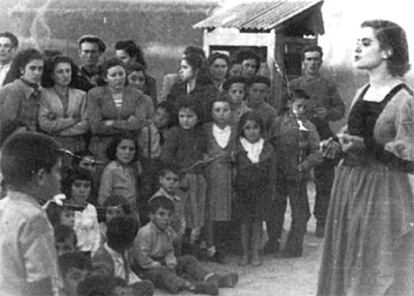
pixel 156 183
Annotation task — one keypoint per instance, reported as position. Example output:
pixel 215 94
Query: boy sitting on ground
pixel 113 258
pixel 154 247
pixel 169 179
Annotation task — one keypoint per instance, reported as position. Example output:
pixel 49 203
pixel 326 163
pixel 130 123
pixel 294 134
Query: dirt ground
pixel 287 277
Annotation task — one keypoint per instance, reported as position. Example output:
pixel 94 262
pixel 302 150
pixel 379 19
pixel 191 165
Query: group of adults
pixel 369 231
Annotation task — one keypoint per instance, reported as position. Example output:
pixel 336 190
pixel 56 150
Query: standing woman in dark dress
pixel 194 84
pixel 369 238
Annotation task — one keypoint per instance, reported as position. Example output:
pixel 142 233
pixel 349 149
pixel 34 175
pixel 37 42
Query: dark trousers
pixel 324 176
pixel 188 268
pixel 298 199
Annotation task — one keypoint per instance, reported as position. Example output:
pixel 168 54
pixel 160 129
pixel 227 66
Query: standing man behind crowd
pixel 8 47
pixel 91 48
pixel 250 62
pixel 328 106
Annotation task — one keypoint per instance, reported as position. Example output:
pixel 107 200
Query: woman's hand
pixel 330 148
pixel 351 143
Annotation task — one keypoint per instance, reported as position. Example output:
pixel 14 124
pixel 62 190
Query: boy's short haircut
pixel 311 48
pixel 24 154
pixel 167 169
pixel 299 94
pixel 74 260
pixel 13 39
pixel 231 80
pixel 97 285
pixel 161 202
pixel 223 97
pixel 118 201
pixel 192 105
pixel 121 231
pixel 259 79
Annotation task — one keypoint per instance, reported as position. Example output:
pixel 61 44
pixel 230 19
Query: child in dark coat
pixel 296 143
pixel 254 183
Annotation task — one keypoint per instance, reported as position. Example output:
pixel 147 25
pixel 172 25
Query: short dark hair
pixel 193 106
pixel 161 202
pixel 311 48
pixel 220 98
pixel 121 231
pixel 247 54
pixel 109 63
pixel 195 50
pixel 13 39
pixel 50 65
pixel 112 146
pixel 259 79
pixel 79 155
pixel 21 60
pixel 253 116
pixel 392 36
pixel 118 201
pixel 92 39
pixel 169 169
pixel 135 67
pixel 233 79
pixel 298 93
pixel 74 260
pixel 133 50
pixel 194 60
pixel 170 110
pixel 24 154
pixel 216 56
pixel 74 175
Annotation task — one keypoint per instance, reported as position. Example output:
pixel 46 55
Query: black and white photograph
pixel 209 147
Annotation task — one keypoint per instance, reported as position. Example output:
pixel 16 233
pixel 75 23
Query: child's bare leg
pixel 256 239
pixel 245 235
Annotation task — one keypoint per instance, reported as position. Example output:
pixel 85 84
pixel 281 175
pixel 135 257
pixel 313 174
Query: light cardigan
pixel 54 120
pixel 131 116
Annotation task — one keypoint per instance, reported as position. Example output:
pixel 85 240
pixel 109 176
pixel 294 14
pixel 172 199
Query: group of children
pixel 174 185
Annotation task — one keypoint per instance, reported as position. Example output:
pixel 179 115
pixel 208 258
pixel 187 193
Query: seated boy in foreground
pixel 154 247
